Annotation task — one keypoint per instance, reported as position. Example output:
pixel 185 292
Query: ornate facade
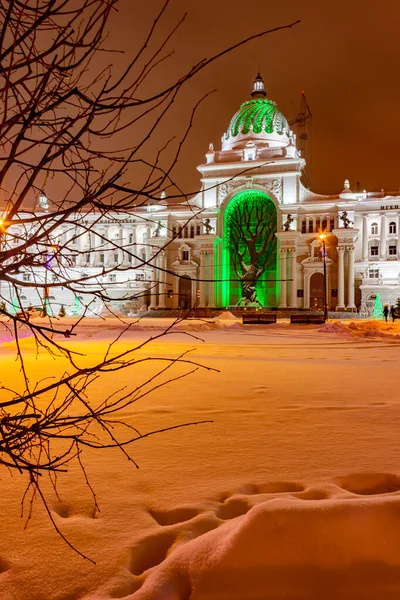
pixel 177 256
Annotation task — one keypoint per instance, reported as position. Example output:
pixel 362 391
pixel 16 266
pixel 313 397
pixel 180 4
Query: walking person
pixel 386 312
pixel 392 313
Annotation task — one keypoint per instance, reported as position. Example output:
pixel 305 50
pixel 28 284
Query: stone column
pixel 314 224
pixel 283 298
pixel 93 244
pixel 153 288
pixel 202 283
pixel 162 287
pixel 120 244
pixel 293 275
pixel 175 290
pixel 383 236
pixel 365 238
pixel 350 297
pixel 306 286
pixel 147 241
pixel 340 303
pixel 194 295
pixel 211 279
pixel 133 248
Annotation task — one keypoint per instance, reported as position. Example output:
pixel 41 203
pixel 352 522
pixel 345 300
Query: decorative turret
pixel 258 88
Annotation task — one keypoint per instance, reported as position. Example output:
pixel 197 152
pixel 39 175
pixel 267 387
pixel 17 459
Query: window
pixel 303 226
pixel 139 276
pixel 374 229
pixel 87 257
pixel 186 234
pixel 131 238
pixel 101 258
pixel 173 230
pixel 116 257
pixel 26 276
pixel 324 224
pixel 310 227
pixel 198 229
pixel 331 224
pixel 374 250
pixel 392 228
pixel 112 277
pixel 318 224
pixel 392 250
pixel 185 254
pixel 192 231
pixel 373 273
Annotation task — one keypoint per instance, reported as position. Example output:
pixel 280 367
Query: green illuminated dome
pixel 258 116
pixel 258 120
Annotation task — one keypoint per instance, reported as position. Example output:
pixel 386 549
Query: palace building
pixel 176 256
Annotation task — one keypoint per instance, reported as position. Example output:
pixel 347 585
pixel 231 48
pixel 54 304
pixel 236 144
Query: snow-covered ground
pixel 291 492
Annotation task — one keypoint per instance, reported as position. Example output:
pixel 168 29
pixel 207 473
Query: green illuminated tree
pixel 251 241
pixel 378 308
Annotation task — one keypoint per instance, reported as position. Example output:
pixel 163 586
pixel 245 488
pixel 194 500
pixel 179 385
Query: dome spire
pixel 258 87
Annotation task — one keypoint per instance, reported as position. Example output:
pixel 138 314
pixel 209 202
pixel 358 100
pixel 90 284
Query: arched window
pixel 184 252
pixel 392 227
pixel 374 229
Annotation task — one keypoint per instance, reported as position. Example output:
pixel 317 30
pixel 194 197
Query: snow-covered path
pixel 296 413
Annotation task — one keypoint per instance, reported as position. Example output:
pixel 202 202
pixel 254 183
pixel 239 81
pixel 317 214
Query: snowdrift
pixel 333 540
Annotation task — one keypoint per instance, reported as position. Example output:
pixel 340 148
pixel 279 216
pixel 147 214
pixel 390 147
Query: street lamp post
pixel 322 237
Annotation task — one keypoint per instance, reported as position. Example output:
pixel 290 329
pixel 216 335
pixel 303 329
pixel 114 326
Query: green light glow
pixel 15 306
pixel 378 308
pixel 231 287
pixel 77 307
pixel 260 113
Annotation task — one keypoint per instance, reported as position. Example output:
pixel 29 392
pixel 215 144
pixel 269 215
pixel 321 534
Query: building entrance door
pixel 185 293
pixel 317 291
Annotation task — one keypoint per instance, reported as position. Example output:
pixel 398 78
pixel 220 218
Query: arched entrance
pixel 249 251
pixel 317 291
pixel 185 292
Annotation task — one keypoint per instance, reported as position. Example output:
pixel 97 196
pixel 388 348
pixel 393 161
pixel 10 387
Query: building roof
pixel 260 116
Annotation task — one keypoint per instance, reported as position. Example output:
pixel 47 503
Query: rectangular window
pixel 139 276
pixel 112 277
pixel 185 254
pixel 115 257
pixel 303 226
pixel 198 230
pixel 192 231
pixel 392 250
pixel 173 230
pixel 101 258
pixel 87 257
pixel 374 250
pixel 186 234
pixel 373 273
pixel 310 227
pixel 318 224
pixel 331 224
pixel 26 276
pixel 300 293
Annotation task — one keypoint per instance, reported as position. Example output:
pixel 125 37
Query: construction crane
pixel 302 123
